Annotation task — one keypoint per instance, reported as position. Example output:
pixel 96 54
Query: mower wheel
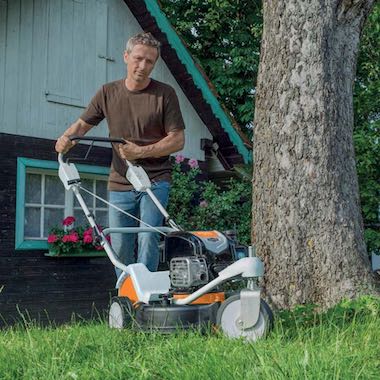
pixel 228 318
pixel 120 313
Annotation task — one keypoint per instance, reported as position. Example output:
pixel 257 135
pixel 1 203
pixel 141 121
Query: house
pixel 54 54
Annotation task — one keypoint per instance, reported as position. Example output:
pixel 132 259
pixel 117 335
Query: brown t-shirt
pixel 143 117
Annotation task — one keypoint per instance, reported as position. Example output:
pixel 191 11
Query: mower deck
pixel 167 319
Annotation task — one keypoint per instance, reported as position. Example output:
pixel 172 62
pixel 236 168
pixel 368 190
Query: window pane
pixel 80 218
pixel 53 218
pixel 102 218
pixel 33 188
pixel 54 191
pixel 88 199
pixel 32 222
pixel 101 191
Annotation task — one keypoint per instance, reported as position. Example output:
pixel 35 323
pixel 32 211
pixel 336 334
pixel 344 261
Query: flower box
pixel 93 253
pixel 70 241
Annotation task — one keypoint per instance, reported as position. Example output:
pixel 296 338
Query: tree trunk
pixel 307 221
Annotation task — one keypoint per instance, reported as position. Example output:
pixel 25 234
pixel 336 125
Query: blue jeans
pixel 140 205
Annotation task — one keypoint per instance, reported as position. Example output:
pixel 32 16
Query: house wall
pixel 40 287
pixel 54 55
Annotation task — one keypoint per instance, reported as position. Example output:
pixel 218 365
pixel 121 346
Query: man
pixel 146 114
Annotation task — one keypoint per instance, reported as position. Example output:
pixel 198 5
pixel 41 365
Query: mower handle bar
pixel 98 139
pixel 93 139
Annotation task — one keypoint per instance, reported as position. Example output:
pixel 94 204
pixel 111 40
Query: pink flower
pixel 73 237
pixel 68 221
pixel 87 239
pixel 203 204
pixel 88 232
pixel 179 158
pixel 193 163
pixel 52 238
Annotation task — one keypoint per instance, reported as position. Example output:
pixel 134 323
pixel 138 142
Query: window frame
pixel 23 164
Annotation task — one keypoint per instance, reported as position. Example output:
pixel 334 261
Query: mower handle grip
pixel 98 139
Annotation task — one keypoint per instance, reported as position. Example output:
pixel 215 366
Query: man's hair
pixel 143 39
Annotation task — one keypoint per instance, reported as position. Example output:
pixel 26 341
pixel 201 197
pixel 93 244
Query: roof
pixel 234 146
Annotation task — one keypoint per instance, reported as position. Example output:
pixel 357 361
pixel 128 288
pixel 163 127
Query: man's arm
pixel 79 128
pixel 172 143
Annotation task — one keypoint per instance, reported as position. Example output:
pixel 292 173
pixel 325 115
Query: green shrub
pixel 203 205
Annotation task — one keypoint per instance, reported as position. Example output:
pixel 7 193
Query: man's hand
pixel 172 143
pixel 79 128
pixel 130 151
pixel 64 144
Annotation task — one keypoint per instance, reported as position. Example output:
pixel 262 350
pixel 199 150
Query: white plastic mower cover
pixel 148 285
pixel 137 176
pixel 68 174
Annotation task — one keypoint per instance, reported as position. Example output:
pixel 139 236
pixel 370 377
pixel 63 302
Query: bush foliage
pixel 203 205
pixel 367 127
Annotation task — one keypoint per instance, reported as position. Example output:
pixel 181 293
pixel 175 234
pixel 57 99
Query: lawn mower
pixel 189 293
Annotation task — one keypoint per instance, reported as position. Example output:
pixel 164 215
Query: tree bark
pixel 307 223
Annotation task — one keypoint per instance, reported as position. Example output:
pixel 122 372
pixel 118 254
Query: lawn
pixel 343 343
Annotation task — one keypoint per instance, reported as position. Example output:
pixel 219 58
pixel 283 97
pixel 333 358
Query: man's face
pixel 140 62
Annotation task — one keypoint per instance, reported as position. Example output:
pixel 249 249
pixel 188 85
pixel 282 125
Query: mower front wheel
pixel 120 313
pixel 229 320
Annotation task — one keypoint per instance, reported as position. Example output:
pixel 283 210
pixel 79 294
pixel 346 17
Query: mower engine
pixel 195 258
pixel 187 272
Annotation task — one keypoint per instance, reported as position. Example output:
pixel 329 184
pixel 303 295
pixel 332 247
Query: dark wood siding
pixel 43 288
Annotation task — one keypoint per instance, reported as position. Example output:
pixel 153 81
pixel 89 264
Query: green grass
pixel 343 343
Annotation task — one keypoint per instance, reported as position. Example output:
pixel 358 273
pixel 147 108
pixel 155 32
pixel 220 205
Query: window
pixel 42 201
pixel 97 186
